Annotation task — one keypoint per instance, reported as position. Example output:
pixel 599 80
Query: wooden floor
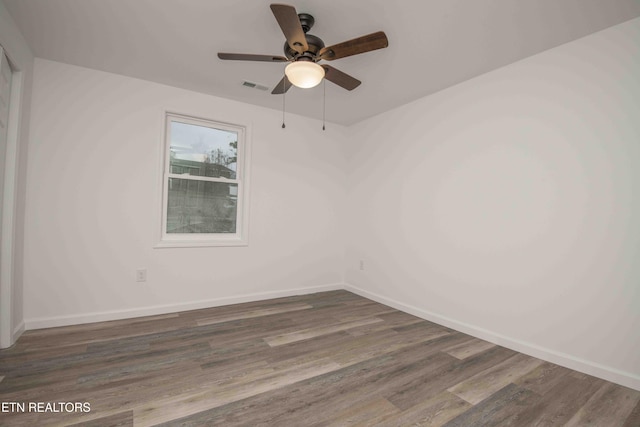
pixel 331 358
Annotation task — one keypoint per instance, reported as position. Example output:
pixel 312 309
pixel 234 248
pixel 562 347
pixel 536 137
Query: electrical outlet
pixel 362 265
pixel 141 275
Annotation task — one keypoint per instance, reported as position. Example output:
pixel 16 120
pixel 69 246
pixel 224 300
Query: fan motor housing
pixel 315 44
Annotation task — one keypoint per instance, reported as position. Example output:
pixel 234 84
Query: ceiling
pixel 433 44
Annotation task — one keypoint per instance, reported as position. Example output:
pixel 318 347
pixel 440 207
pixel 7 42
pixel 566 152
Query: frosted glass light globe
pixel 304 74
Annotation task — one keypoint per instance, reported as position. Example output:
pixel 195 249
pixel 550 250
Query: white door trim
pixel 8 331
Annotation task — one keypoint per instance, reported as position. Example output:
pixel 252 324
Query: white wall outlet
pixel 141 275
pixel 362 264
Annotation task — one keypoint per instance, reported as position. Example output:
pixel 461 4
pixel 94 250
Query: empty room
pixel 320 213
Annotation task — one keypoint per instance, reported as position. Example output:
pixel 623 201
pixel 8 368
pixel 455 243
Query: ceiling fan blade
pixel 341 79
pixel 353 47
pixel 251 57
pixel 282 86
pixel 289 22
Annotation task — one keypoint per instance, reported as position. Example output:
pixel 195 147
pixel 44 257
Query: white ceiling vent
pixel 254 85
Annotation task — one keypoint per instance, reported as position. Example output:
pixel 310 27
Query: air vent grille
pixel 254 85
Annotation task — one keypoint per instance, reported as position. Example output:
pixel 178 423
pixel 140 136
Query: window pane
pixel 203 151
pixel 201 206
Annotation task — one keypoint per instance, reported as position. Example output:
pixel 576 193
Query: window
pixel 204 183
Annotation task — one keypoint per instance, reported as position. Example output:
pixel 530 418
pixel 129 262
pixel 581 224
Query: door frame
pixel 9 332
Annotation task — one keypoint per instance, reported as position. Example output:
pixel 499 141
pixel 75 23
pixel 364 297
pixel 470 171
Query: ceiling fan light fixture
pixel 304 74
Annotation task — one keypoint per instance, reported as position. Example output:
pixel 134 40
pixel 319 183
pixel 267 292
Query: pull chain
pixel 324 101
pixel 284 91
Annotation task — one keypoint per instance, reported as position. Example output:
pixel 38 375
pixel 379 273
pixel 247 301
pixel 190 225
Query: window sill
pixel 200 243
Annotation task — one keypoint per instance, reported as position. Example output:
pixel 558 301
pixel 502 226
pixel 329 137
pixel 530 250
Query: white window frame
pixel 240 237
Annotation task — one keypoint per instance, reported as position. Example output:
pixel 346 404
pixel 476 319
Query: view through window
pixel 203 177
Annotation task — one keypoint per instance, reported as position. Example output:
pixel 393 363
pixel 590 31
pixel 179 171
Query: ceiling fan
pixel 304 51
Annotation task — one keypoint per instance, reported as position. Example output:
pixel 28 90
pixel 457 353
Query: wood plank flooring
pixel 327 359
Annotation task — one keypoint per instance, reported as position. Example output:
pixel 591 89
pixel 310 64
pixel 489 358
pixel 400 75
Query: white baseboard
pixel 608 373
pixel 78 319
pixel 18 331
